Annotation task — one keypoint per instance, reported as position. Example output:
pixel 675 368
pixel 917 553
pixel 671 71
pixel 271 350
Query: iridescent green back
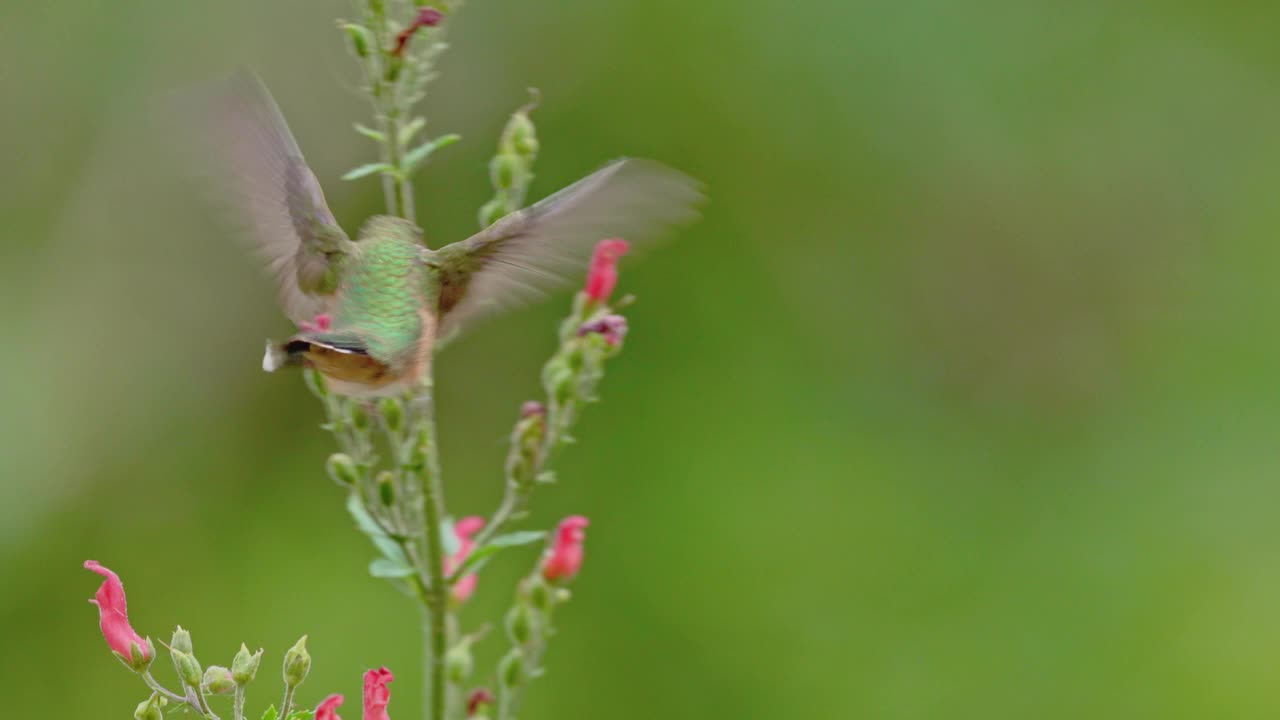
pixel 382 290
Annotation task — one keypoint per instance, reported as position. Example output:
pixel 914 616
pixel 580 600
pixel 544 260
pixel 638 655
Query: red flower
pixel 328 710
pixel 480 697
pixel 113 616
pixel 376 694
pixel 603 273
pixel 464 529
pixel 563 560
pixel 612 327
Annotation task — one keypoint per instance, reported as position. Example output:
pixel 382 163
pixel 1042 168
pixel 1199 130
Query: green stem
pixel 287 703
pixel 238 709
pixel 437 588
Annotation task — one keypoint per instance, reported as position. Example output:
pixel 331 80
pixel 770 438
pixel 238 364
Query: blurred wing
pixel 257 171
pixel 518 258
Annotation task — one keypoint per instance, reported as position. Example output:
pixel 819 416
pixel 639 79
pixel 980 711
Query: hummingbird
pixel 370 311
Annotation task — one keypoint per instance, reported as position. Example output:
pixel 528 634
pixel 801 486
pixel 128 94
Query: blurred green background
pixel 960 401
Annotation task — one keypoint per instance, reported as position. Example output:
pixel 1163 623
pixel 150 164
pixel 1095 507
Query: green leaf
pixel 416 156
pixel 369 169
pixel 410 129
pixel 387 568
pixel 302 715
pixel 481 555
pixel 271 713
pixel 389 548
pixel 370 133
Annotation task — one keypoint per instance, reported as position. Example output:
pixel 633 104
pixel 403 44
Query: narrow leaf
pixel 481 555
pixel 370 133
pixel 389 548
pixel 416 156
pixel 302 715
pixel 387 568
pixel 271 713
pixel 369 169
pixel 410 129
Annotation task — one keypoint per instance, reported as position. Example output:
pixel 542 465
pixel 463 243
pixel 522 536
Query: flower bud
pixel 492 212
pixel 392 413
pixel 511 668
pixel 217 680
pixel 188 667
pixel 151 708
pixel 563 385
pixel 387 487
pixel 297 663
pixel 532 408
pixel 458 662
pixel 181 641
pixel 503 170
pixel 360 38
pixel 524 137
pixel 342 469
pixel 519 624
pixel 245 665
pixel 539 594
pixel 358 416
pixel 421 449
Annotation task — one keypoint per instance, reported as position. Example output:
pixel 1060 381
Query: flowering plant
pixel 370 313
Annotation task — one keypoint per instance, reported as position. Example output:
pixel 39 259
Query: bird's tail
pixel 288 354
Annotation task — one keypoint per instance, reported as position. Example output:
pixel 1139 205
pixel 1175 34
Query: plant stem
pixel 238 709
pixel 437 588
pixel 287 703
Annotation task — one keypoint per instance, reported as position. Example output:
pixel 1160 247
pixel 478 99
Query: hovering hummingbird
pixel 370 310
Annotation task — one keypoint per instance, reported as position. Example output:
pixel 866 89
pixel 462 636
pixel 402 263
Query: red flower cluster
pixel 603 273
pixel 564 558
pixel 113 616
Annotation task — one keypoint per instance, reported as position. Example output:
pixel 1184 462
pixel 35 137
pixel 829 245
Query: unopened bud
pixel 539 594
pixel 188 667
pixel 511 668
pixel 532 408
pixel 492 211
pixel 519 624
pixel 151 708
pixel 297 663
pixel 458 662
pixel 503 170
pixel 245 665
pixel 342 469
pixel 217 680
pixel 524 137
pixel 360 38
pixel 181 641
pixel 564 385
pixel 421 449
pixel 392 413
pixel 358 416
pixel 387 487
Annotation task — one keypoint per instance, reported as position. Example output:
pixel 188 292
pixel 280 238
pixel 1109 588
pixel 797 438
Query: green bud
pixel 564 384
pixel 503 170
pixel 358 416
pixel 151 708
pixel 315 383
pixel 563 595
pixel 217 680
pixel 458 662
pixel 493 211
pixel 387 487
pixel 392 413
pixel 524 138
pixel 188 667
pixel 245 665
pixel 342 469
pixel 181 641
pixel 360 38
pixel 511 668
pixel 421 447
pixel 539 594
pixel 519 624
pixel 297 663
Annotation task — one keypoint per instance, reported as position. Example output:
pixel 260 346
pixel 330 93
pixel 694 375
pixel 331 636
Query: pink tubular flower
pixel 113 616
pixel 612 327
pixel 563 560
pixel 376 694
pixel 465 529
pixel 603 273
pixel 328 709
